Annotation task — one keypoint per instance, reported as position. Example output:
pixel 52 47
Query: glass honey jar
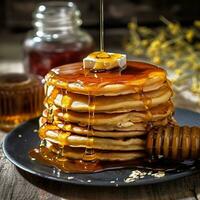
pixel 57 38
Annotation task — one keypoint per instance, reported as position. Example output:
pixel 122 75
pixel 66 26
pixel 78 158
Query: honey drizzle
pixel 90 152
pixel 49 100
pixel 75 73
pixel 102 25
pixel 47 157
pixel 64 110
pixel 147 102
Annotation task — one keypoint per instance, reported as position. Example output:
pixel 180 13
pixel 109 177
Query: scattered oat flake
pixel 135 175
pixel 158 174
pixel 149 173
pixel 112 181
pixel 58 173
pixel 70 177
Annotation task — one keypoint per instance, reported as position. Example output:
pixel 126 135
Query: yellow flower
pixel 132 26
pixel 156 60
pixel 191 58
pixel 190 35
pixel 145 31
pixel 155 44
pixel 154 48
pixel 177 55
pixel 165 45
pixel 196 67
pixel 195 85
pixel 151 52
pixel 138 52
pixel 171 63
pixel 174 28
pixel 144 42
pixel 161 35
pixel 178 72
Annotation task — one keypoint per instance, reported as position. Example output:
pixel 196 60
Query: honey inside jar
pixel 21 98
pixel 57 37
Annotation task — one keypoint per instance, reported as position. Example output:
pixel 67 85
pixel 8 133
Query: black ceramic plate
pixel 18 143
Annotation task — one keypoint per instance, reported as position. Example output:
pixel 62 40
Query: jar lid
pixel 56 14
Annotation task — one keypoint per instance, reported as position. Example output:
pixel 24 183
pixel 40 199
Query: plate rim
pixel 75 182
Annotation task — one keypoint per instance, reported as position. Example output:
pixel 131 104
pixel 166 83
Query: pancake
pixel 65 125
pixel 133 126
pixel 72 140
pixel 119 120
pixel 79 153
pixel 138 76
pixel 111 104
pixel 104 131
pixel 89 132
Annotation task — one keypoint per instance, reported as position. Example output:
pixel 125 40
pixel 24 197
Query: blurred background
pixel 17 14
pixel 16 19
pixel 165 32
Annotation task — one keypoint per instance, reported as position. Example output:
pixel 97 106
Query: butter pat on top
pixel 104 61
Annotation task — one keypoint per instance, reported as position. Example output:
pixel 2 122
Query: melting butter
pixel 104 61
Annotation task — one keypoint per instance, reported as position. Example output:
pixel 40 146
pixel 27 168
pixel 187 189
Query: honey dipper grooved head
pixel 174 142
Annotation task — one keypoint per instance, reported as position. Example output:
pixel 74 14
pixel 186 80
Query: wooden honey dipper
pixel 174 142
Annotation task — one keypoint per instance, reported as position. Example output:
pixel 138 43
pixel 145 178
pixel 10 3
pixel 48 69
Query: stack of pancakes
pixel 105 115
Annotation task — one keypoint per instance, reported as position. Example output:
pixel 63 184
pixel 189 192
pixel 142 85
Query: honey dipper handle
pixel 174 142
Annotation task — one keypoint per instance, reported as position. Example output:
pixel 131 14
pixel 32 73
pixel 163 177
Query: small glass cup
pixel 21 98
